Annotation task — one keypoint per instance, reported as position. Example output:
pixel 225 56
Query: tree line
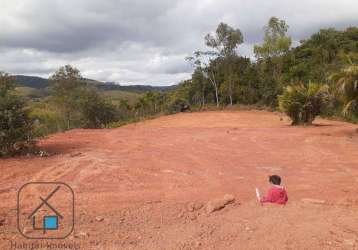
pixel 317 77
pixel 72 103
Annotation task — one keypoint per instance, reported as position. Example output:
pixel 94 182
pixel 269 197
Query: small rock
pixel 218 204
pixel 229 198
pixel 249 229
pixel 313 201
pixel 2 222
pixel 99 218
pixel 213 206
pixel 82 235
pixel 194 206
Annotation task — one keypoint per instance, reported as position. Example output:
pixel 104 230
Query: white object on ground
pixel 258 194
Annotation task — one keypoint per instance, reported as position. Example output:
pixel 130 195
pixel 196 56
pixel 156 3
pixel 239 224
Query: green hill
pixel 42 83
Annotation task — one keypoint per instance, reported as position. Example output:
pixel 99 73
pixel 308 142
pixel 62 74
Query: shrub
pixel 303 103
pixel 15 124
pixel 347 82
pixel 46 118
pixel 178 105
pixel 96 112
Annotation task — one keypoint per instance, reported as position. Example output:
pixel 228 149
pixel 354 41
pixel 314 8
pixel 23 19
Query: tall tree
pixel 205 63
pixel 67 85
pixel 200 88
pixel 15 124
pixel 276 43
pixel 225 40
pixel 224 43
pixel 270 57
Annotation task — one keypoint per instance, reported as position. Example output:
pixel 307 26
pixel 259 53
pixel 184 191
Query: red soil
pixel 140 178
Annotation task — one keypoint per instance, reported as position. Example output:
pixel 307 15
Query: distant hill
pixel 31 81
pixel 41 83
pixel 134 88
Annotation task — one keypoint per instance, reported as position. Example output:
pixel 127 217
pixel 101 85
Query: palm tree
pixel 347 83
pixel 302 103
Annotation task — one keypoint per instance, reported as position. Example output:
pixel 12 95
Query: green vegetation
pixel 42 84
pixel 150 104
pixel 30 93
pixel 222 77
pixel 223 43
pixel 67 90
pixel 47 118
pixel 15 124
pixel 80 104
pixel 303 103
pixel 69 101
pixel 347 84
pixel 95 110
pixel 116 96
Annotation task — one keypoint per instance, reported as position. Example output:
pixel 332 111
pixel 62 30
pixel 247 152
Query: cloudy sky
pixel 143 41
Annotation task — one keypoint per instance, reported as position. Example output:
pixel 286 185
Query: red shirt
pixel 276 194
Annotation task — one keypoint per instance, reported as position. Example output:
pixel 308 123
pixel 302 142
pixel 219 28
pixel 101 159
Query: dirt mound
pixel 149 183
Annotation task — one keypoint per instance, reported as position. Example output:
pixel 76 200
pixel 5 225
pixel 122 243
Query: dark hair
pixel 275 179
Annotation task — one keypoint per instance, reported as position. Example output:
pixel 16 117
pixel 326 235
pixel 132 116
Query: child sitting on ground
pixel 277 194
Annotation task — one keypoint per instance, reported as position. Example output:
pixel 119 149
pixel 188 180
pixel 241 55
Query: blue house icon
pixel 48 222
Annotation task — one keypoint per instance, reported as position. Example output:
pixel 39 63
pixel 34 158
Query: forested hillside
pixel 223 77
pixel 43 83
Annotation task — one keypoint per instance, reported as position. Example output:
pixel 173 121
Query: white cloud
pixel 142 41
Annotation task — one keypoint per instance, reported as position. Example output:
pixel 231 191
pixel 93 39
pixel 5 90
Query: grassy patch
pixel 118 95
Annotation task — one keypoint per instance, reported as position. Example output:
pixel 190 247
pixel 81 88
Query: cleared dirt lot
pixel 143 179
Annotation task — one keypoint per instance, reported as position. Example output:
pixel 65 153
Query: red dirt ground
pixel 142 178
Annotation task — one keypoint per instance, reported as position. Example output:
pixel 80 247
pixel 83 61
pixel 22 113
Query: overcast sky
pixel 144 41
